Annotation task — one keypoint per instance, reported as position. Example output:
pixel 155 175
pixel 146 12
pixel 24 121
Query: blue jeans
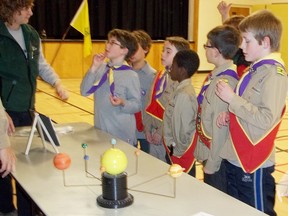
pixel 256 189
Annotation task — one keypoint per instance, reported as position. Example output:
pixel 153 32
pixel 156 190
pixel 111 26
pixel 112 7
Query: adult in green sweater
pixel 21 62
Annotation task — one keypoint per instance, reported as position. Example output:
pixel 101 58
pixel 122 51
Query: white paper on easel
pixel 60 130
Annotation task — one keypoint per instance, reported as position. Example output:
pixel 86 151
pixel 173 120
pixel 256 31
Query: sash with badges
pixel 155 108
pixel 199 128
pixel 252 154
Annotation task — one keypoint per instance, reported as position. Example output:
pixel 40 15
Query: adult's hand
pixel 8 160
pixel 11 127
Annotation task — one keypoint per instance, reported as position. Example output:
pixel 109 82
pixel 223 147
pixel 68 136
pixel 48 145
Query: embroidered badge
pixel 281 71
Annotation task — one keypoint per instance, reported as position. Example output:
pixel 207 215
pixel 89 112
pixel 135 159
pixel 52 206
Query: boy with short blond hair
pixel 159 94
pixel 255 112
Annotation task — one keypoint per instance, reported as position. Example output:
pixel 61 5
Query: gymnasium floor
pixel 80 109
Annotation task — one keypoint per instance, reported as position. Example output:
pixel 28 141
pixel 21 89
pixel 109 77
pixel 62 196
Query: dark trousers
pixel 217 179
pixel 20 118
pixel 145 145
pixel 23 201
pixel 6 195
pixel 256 189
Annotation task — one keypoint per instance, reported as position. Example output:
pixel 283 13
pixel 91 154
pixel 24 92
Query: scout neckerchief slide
pixel 252 154
pixel 108 74
pixel 155 108
pixel 199 128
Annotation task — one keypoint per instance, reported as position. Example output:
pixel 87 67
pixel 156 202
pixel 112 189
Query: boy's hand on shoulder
pixel 116 101
pixel 224 91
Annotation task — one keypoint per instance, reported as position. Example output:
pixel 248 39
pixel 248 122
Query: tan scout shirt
pixel 211 106
pixel 180 117
pixel 152 124
pixel 260 106
pixel 4 139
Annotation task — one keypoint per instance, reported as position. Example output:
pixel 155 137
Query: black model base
pixel 114 191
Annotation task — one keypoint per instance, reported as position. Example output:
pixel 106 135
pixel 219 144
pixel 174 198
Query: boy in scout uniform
pixel 115 86
pixel 179 121
pixel 157 98
pixel 222 44
pixel 255 111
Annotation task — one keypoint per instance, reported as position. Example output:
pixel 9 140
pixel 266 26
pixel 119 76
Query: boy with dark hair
pixel 180 114
pixel 146 76
pixel 115 86
pixel 239 58
pixel 255 112
pixel 222 44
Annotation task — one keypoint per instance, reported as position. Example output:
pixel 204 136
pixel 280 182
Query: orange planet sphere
pixel 62 161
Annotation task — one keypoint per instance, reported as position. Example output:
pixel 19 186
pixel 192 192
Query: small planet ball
pixel 175 170
pixel 113 141
pixel 84 145
pixel 62 161
pixel 102 169
pixel 114 161
pixel 137 152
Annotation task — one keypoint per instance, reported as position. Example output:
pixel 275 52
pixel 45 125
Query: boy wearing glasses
pixel 115 86
pixel 222 44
